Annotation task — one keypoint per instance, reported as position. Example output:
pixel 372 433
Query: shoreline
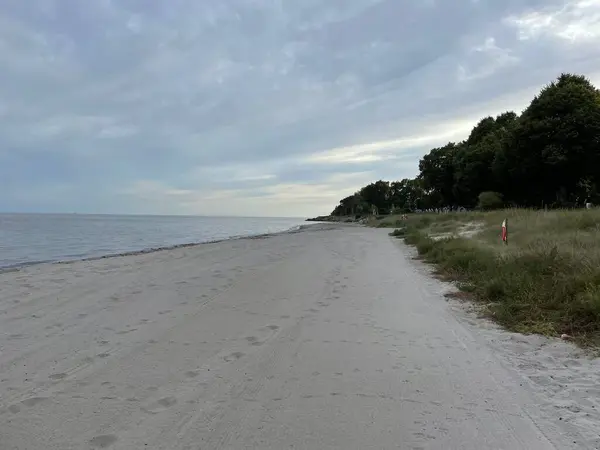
pixel 177 347
pixel 295 229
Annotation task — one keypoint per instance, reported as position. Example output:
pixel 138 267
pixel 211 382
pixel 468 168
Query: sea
pixel 27 239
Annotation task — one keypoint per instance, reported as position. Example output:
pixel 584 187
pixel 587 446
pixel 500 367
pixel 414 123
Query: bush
pixel 490 200
pixel 386 224
pixel 547 280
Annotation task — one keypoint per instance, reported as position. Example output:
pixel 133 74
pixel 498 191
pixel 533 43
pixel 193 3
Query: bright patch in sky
pixel 258 107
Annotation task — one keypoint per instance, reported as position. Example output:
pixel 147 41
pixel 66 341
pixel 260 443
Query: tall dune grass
pixel 546 280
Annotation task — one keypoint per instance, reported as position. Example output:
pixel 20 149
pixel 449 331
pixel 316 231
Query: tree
pixel 547 156
pixel 556 143
pixel 474 162
pixel 490 200
pixel 484 128
pixel 350 206
pixel 472 171
pixel 377 194
pixel 407 194
pixel 437 173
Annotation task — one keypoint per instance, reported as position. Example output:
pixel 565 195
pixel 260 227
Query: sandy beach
pixel 331 337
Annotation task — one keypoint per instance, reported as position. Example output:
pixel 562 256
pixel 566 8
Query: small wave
pixel 62 239
pixel 17 266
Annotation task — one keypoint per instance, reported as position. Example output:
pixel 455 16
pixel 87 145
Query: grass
pixel 546 280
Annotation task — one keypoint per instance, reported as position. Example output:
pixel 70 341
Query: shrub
pixel 547 280
pixel 490 200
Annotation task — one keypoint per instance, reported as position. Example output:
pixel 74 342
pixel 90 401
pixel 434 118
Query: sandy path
pixel 323 339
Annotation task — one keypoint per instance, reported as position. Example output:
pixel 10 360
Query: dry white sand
pixel 330 338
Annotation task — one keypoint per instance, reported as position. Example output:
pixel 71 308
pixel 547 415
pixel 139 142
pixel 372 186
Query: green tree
pixel 407 194
pixel 484 128
pixel 350 206
pixel 437 173
pixel 556 143
pixel 377 194
pixel 474 162
pixel 490 200
pixel 547 156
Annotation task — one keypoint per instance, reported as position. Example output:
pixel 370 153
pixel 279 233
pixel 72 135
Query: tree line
pixel 549 156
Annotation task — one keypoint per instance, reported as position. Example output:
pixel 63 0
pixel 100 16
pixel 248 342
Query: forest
pixel 546 157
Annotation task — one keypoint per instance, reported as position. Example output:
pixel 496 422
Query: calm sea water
pixel 34 238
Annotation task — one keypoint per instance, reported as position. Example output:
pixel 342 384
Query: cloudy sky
pixel 258 107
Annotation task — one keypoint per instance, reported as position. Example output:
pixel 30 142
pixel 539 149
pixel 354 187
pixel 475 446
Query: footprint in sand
pixel 131 330
pixel 254 341
pixel 234 356
pixel 103 441
pixel 58 376
pixel 30 402
pixel 16 336
pixel 161 405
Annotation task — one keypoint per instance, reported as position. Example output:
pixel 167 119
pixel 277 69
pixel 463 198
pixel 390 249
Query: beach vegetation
pixel 539 170
pixel 546 279
pixel 546 157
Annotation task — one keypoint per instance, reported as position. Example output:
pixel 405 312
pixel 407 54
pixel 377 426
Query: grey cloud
pixel 162 90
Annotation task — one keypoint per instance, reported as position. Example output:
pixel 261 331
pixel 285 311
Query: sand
pixel 328 338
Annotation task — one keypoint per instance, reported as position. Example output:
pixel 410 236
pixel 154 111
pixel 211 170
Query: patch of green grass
pixel 546 280
pixel 445 227
pixel 398 232
pixel 389 223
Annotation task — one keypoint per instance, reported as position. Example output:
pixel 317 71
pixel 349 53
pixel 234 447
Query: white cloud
pixel 575 21
pixel 256 105
pixel 489 59
pixel 287 199
pixel 388 149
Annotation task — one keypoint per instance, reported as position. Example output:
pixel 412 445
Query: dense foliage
pixel 549 156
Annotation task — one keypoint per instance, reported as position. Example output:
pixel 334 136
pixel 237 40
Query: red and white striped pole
pixel 505 232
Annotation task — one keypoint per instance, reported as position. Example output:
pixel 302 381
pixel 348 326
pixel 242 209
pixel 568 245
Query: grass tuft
pixel 547 280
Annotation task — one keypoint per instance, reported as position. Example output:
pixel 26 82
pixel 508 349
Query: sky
pixel 259 107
